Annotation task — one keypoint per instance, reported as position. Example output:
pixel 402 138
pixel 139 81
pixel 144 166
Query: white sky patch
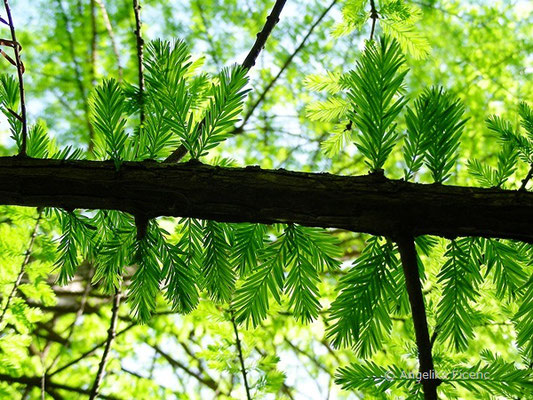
pixel 523 8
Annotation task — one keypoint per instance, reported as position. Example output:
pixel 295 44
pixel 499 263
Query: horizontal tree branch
pixel 370 204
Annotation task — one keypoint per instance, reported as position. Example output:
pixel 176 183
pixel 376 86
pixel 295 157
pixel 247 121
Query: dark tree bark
pixel 406 247
pixel 371 204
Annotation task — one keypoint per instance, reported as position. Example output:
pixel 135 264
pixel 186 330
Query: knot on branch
pixel 10 43
pixel 141 223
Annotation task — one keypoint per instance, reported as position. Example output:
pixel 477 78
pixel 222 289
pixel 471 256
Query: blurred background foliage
pixel 479 50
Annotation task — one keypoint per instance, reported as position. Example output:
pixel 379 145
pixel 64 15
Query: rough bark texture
pixel 371 204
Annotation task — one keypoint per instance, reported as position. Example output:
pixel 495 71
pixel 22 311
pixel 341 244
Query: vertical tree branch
pixel 140 57
pixel 248 62
pixel 408 255
pixel 406 246
pixel 20 72
pixel 111 334
pixel 25 262
pixel 241 358
pixel 374 16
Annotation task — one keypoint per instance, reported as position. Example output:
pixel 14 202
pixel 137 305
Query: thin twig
pixel 111 33
pixel 90 352
pixel 374 16
pixel 111 334
pixel 298 350
pixel 20 71
pixel 406 246
pixel 239 352
pixel 287 62
pixel 204 380
pixel 25 262
pixel 140 57
pixel 247 64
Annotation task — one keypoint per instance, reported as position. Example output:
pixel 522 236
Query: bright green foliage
pixel 445 134
pixel 505 262
pixel 396 18
pixel 252 298
pixel 329 110
pixel 221 113
pixel 9 92
pixel 372 378
pixel 398 21
pixel 176 101
pixel 192 233
pixel 310 252
pixel 497 377
pixel 304 252
pixel 523 320
pixel 434 129
pixel 107 107
pixel 460 278
pixel 39 145
pixel 495 177
pixel 217 272
pixel 507 134
pixel 526 113
pixel 156 137
pixel 354 17
pixel 114 242
pixel 331 82
pixel 301 286
pixel 182 279
pixel 74 243
pixel 419 120
pixel 144 286
pixel 249 241
pixel 374 94
pixel 181 266
pixel 38 142
pixel 169 98
pixel 9 100
pixel 360 316
pixel 321 249
pixel 338 140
